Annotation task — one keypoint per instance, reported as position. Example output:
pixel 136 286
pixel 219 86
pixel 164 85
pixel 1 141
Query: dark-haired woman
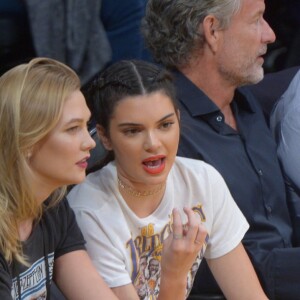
pixel 148 216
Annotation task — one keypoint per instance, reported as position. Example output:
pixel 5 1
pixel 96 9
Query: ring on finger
pixel 185 227
pixel 177 236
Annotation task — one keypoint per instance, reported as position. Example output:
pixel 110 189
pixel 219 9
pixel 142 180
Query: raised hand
pixel 180 250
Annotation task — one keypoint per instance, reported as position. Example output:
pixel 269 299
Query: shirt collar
pixel 205 106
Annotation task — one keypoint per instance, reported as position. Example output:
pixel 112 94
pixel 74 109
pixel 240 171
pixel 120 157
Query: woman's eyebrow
pixel 138 124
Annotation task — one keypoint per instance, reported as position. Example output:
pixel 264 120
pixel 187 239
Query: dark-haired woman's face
pixel 144 135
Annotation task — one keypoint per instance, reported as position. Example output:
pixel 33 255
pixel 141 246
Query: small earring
pixel 28 155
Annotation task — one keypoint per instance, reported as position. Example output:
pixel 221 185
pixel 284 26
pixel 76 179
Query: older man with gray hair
pixel 215 48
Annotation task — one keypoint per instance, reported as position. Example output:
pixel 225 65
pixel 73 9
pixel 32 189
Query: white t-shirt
pixel 127 249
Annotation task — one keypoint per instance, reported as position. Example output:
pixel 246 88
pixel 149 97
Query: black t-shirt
pixel 56 234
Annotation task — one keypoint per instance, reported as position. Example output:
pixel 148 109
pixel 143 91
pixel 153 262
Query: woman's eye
pixel 131 131
pixel 73 129
pixel 167 125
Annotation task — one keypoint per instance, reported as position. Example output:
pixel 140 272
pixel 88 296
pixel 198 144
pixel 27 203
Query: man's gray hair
pixel 173 28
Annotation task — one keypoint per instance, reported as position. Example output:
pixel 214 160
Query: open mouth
pixel 154 165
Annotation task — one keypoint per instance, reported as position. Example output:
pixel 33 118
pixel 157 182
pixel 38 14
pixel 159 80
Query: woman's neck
pixel 41 187
pixel 142 202
pixel 25 229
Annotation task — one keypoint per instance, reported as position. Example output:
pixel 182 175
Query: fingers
pixel 201 236
pixel 183 245
pixel 196 232
pixel 192 232
pixel 177 225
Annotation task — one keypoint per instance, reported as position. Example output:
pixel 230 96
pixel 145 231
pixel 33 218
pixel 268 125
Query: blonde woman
pixel 45 145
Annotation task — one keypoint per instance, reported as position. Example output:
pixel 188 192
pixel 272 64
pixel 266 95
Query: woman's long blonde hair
pixel 31 100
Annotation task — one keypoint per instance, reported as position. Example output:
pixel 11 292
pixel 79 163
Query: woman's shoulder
pixel 95 190
pixel 195 171
pixel 193 165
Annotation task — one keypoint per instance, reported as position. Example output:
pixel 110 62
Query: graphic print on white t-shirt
pixel 146 252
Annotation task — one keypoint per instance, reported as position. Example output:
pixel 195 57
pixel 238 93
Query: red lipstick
pixel 154 164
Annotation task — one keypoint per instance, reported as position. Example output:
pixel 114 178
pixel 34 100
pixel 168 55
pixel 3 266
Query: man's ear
pixel 211 31
pixel 103 137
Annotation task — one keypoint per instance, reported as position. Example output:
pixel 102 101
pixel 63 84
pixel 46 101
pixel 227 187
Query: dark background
pixel 283 16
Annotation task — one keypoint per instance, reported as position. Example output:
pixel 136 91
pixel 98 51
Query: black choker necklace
pixel 136 193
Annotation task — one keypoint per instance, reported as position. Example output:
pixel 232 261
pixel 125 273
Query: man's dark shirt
pixel 247 160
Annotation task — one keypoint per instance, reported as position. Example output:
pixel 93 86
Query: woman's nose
pixel 151 141
pixel 88 143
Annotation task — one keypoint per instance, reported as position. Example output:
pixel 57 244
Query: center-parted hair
pixel 121 80
pixel 173 28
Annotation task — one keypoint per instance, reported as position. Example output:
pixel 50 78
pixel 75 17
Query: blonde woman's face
pixel 61 158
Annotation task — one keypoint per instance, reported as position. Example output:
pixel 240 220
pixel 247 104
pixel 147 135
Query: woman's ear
pixel 29 153
pixel 103 137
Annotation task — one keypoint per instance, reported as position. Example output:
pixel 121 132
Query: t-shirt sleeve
pixel 101 246
pixel 285 125
pixel 5 280
pixel 229 224
pixel 289 145
pixel 62 222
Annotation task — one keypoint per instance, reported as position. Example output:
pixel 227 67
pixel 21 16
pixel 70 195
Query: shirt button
pixel 269 209
pixel 260 172
pixel 219 118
